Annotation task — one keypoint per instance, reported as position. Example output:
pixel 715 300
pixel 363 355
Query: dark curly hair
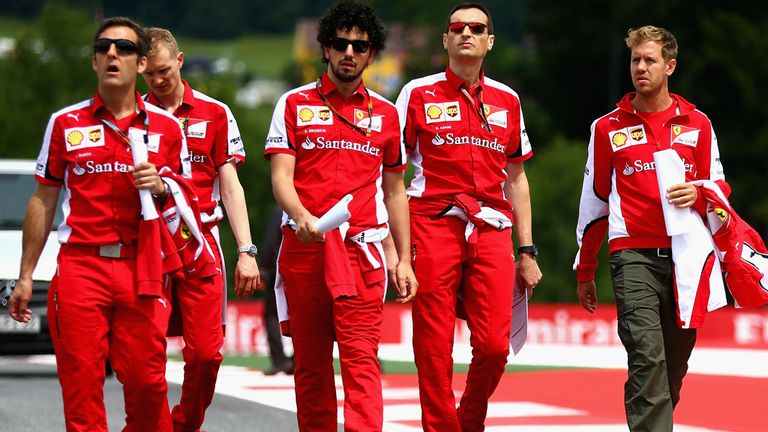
pixel 346 14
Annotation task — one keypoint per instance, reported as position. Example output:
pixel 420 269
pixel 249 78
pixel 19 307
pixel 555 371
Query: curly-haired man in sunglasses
pixel 329 139
pixel 465 136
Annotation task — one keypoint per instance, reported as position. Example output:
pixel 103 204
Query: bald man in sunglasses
pixel 329 139
pixel 466 138
pixel 97 307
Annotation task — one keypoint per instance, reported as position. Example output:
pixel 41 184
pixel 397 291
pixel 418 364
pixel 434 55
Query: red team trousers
pixel 200 301
pixel 444 268
pixel 316 320
pixel 95 314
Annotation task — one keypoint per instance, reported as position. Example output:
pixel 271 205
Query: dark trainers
pixel 286 368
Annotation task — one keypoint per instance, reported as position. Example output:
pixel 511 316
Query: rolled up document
pixel 670 170
pixel 337 215
pixel 140 154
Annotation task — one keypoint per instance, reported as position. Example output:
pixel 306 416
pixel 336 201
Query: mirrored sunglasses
pixel 474 27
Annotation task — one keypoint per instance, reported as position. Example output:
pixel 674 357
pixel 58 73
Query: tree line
pixel 566 59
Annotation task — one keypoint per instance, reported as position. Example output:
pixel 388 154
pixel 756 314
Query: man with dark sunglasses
pixel 216 150
pixel 466 138
pixel 330 139
pixel 97 309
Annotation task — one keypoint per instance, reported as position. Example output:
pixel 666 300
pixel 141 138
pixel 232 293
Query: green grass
pixel 387 367
pixel 264 55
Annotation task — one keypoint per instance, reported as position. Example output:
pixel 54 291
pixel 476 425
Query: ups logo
pixel 324 114
pixel 94 135
pixel 452 110
pixel 637 134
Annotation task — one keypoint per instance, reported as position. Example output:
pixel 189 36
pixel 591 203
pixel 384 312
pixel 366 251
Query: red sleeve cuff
pixel 585 274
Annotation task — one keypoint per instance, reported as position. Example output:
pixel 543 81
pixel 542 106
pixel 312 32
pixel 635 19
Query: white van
pixel 17 183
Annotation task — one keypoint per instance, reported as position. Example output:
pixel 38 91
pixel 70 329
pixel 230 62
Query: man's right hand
pixel 587 293
pixel 18 304
pixel 306 230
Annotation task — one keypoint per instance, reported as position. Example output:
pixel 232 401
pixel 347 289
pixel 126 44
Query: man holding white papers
pixel 329 139
pixel 96 307
pixel 621 194
pixel 466 137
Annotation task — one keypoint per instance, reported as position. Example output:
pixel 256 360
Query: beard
pixel 345 76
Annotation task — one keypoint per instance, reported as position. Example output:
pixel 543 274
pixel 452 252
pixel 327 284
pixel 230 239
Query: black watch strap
pixel 530 250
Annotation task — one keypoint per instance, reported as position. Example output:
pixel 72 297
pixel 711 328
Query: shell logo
pixel 75 138
pixel 619 139
pixel 434 112
pixel 94 135
pixel 721 214
pixel 306 114
pixel 452 110
pixel 637 134
pixel 324 114
pixel 676 130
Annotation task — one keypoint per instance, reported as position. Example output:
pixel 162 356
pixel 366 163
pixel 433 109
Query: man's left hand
pixel 528 273
pixel 247 276
pixel 407 285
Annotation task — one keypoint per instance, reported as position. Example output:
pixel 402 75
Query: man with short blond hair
pixel 621 195
pixel 216 150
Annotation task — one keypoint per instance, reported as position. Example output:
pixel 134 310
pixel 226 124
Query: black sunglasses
pixel 359 46
pixel 123 46
pixel 474 27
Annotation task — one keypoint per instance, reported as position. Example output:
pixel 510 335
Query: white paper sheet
pixel 337 215
pixel 519 331
pixel 139 151
pixel 670 170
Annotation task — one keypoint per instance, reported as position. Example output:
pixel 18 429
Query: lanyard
pixel 123 135
pixel 366 132
pixel 479 109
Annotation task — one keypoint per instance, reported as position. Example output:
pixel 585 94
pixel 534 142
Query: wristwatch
pixel 251 250
pixel 531 250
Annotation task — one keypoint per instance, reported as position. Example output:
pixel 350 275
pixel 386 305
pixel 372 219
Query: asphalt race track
pixel 30 401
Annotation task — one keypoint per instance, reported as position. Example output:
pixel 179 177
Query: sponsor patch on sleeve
pixel 439 112
pixel 307 115
pixel 684 135
pixel 79 138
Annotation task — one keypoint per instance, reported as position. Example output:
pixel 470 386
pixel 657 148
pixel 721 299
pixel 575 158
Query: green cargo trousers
pixel 657 349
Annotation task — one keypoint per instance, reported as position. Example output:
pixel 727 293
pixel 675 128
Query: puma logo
pixel 614 118
pixel 74 116
pixel 162 302
pixel 430 92
pixel 306 96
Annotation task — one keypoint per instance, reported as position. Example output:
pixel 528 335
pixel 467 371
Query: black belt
pixel 658 252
